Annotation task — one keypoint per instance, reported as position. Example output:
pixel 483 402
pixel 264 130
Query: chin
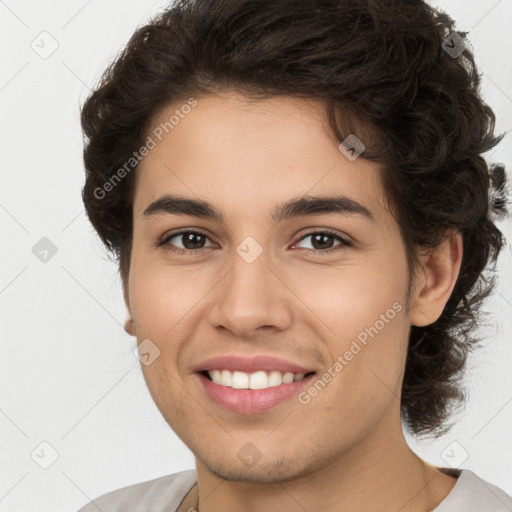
pixel 264 472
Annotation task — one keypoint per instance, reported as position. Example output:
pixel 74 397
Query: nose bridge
pixel 251 296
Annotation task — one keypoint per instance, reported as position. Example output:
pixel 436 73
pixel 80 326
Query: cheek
pixel 361 308
pixel 352 298
pixel 161 298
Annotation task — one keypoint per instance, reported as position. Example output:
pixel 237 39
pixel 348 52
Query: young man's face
pixel 254 288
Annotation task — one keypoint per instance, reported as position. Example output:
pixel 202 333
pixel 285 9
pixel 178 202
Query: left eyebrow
pixel 297 207
pixel 315 205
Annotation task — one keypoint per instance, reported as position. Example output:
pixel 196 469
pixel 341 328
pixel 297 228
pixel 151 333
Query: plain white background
pixel 68 374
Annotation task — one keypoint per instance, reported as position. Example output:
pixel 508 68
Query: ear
pixel 129 326
pixel 435 280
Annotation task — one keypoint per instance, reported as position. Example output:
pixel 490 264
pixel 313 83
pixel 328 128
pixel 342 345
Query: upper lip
pixel 250 364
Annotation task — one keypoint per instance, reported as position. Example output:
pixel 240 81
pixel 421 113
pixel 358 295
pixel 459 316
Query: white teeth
pixel 287 378
pixel 275 379
pixel 240 380
pixel 257 380
pixel 225 379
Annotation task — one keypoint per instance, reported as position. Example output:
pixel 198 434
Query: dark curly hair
pixel 382 64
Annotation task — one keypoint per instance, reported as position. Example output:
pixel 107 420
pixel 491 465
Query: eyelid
pixel 182 231
pixel 328 231
pixel 344 239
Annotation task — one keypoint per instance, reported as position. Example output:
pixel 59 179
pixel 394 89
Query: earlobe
pixel 128 325
pixel 435 281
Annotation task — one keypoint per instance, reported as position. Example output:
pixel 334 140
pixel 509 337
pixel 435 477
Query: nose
pixel 251 297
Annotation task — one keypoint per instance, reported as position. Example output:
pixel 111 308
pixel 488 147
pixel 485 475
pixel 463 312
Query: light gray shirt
pixel 470 494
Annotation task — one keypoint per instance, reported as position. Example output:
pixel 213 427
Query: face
pixel 303 305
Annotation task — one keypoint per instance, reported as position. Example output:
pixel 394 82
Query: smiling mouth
pixel 256 380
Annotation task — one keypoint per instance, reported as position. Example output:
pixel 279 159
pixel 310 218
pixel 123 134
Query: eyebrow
pixel 297 207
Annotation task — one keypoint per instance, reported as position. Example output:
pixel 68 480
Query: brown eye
pixel 322 242
pixel 190 241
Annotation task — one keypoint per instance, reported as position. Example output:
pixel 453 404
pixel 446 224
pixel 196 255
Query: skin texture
pixel 345 449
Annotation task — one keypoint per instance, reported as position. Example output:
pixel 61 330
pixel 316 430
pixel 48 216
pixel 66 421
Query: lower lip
pixel 251 401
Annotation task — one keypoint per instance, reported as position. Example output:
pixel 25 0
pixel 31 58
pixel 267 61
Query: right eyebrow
pixel 178 205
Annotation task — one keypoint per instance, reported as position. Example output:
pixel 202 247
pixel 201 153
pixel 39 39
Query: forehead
pixel 244 154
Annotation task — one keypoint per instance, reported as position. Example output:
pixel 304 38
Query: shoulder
pixel 157 495
pixel 473 494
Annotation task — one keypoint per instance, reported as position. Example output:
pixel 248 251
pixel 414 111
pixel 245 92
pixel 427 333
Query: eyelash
pixel 191 252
